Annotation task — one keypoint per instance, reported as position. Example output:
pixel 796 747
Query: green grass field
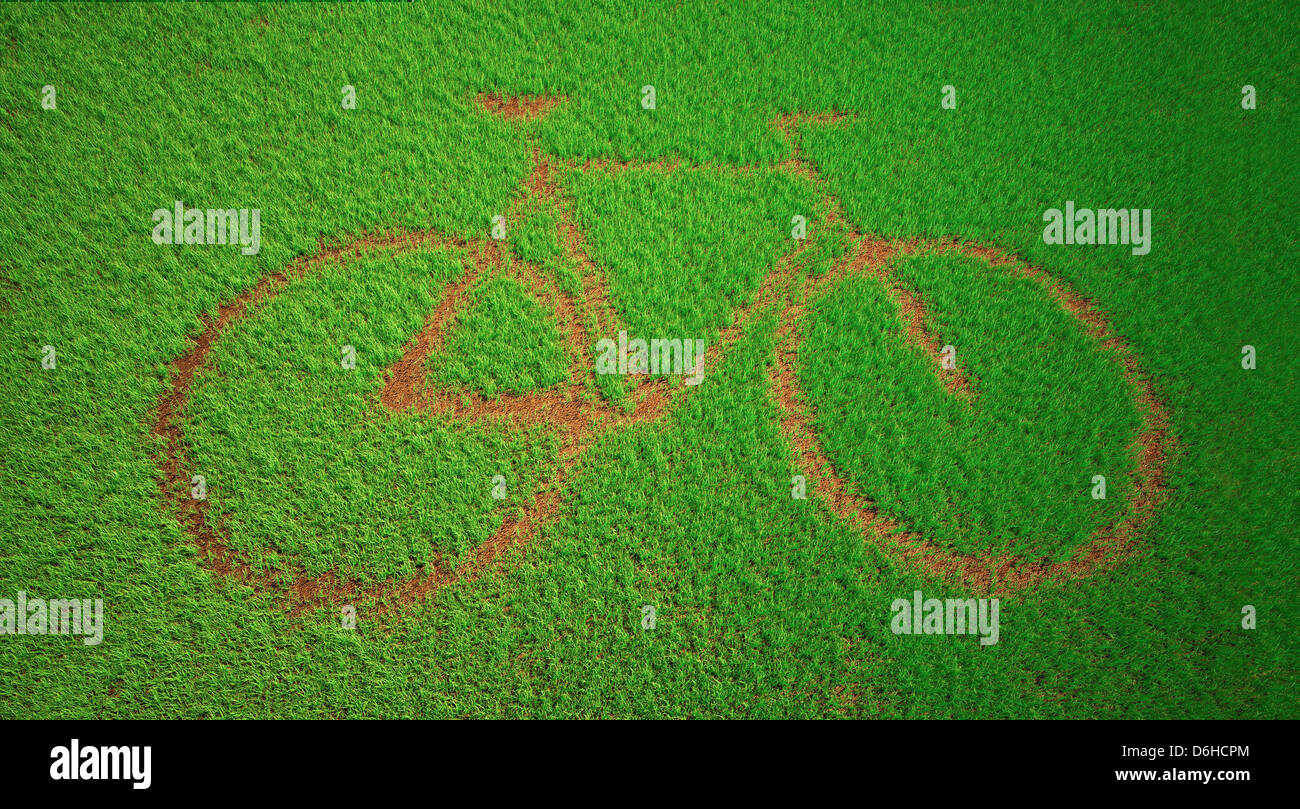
pixel 497 513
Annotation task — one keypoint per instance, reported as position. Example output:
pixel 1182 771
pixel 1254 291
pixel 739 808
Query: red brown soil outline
pixel 518 107
pixel 580 415
pixel 984 574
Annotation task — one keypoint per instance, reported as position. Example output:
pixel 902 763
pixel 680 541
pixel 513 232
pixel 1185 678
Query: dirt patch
pixel 519 107
pixel 541 180
pixel 788 123
pixel 9 290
